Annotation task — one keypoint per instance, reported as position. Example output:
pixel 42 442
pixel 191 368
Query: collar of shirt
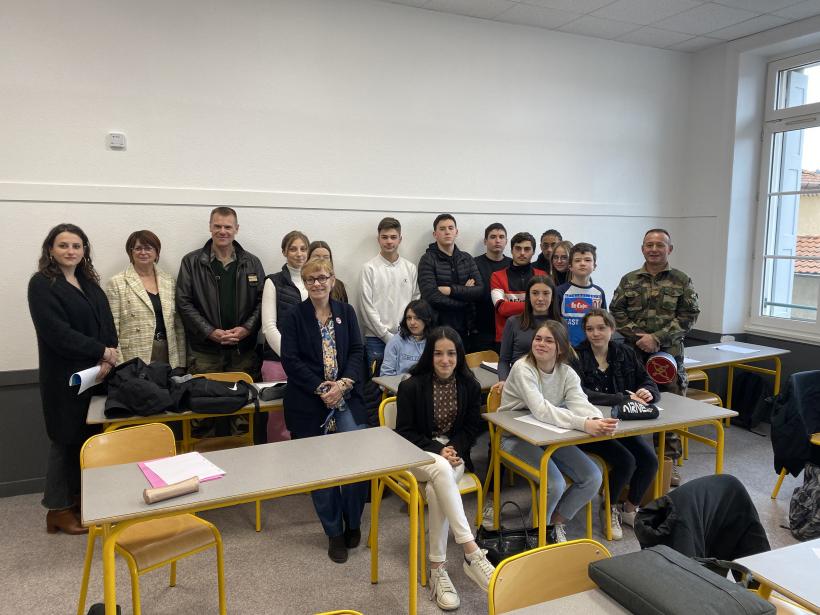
pixel 230 259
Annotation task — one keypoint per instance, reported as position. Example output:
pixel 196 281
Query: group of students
pixel 420 320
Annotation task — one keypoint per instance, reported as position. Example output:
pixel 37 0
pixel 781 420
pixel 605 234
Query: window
pixel 787 272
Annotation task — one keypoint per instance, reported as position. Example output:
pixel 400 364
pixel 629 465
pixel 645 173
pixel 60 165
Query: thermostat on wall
pixel 116 141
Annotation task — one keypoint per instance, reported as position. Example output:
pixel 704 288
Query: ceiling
pixel 682 25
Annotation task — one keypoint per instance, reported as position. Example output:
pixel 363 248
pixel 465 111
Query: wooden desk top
pixel 709 355
pixel 676 411
pixel 96 411
pixel 590 602
pixel 793 571
pixel 114 493
pixel 485 378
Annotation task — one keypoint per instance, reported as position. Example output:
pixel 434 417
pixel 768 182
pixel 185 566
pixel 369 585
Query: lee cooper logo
pixel 579 305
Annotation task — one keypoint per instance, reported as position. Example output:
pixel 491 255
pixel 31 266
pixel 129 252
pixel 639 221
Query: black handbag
pixel 502 543
pixel 632 410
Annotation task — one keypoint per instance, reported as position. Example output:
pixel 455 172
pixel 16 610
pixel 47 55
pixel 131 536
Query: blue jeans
pixel 570 460
pixel 340 508
pixel 375 349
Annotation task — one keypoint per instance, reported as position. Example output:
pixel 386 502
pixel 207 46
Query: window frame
pixel 778 121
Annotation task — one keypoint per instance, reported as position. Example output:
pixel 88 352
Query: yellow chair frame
pixel 543 574
pixel 130 445
pixel 470 483
pixel 493 402
pixel 815 440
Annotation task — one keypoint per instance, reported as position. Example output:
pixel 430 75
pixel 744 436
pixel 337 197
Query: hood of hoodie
pixel 655 522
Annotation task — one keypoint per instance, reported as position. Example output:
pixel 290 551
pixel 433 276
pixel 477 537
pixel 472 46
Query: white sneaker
pixel 628 518
pixel 442 590
pixel 615 521
pixel 676 477
pixel 558 533
pixel 487 515
pixel 478 568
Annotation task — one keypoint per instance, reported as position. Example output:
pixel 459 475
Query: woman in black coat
pixel 611 374
pixel 75 331
pixel 323 354
pixel 438 411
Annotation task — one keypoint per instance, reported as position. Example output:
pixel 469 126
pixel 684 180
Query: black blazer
pixel 302 360
pixel 628 373
pixel 73 330
pixel 414 417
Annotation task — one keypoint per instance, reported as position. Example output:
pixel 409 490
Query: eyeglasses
pixel 555 257
pixel 142 249
pixel 322 279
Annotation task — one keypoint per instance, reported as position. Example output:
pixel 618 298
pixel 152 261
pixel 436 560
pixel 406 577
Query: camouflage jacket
pixel 665 305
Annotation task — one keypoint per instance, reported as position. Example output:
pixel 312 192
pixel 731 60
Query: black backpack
pixel 213 396
pixel 804 508
pixel 751 399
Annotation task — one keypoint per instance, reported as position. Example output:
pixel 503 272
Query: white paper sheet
pixel 492 366
pixel 733 348
pixel 688 361
pixel 86 379
pixel 183 467
pixel 531 420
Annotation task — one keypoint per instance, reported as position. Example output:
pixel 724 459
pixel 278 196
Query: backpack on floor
pixel 751 399
pixel 804 508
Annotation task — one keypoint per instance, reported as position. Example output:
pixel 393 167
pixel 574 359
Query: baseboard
pixel 22 487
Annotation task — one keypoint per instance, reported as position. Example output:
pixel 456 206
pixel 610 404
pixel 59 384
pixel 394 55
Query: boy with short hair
pixel 449 279
pixel 549 239
pixel 579 295
pixel 509 286
pixel 388 284
pixel 493 259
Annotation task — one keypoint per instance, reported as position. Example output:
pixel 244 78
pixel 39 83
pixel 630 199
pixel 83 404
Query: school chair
pixel 543 574
pixel 815 441
pixel 469 483
pixel 703 395
pixel 344 612
pixel 153 543
pixel 474 359
pixel 493 402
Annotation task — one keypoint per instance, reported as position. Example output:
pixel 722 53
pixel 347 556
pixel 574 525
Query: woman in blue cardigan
pixel 323 354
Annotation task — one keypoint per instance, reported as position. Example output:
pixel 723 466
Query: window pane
pixel 788 293
pixel 798 86
pixel 795 164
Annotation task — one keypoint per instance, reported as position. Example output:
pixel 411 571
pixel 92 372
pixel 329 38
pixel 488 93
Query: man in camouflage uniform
pixel 654 307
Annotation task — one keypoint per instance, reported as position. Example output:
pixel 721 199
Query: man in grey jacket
pixel 219 295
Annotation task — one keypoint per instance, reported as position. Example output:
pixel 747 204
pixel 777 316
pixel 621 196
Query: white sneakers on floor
pixel 628 518
pixel 615 520
pixel 557 533
pixel 442 589
pixel 478 568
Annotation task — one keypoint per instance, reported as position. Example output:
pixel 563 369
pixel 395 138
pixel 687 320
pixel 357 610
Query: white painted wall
pixel 326 115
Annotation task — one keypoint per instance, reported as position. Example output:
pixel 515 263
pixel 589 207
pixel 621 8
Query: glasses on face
pixel 147 249
pixel 322 279
pixel 557 257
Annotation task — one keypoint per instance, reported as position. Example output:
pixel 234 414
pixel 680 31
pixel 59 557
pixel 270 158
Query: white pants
pixel 445 505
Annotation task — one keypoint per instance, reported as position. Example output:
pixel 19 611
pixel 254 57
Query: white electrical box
pixel 116 141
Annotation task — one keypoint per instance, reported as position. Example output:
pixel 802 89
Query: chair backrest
pixel 387 412
pixel 542 574
pixel 226 376
pixel 474 359
pixel 493 400
pixel 128 445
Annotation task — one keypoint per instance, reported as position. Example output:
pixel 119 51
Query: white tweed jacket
pixel 135 320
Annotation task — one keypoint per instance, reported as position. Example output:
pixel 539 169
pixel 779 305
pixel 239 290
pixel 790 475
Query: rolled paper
pixel 153 495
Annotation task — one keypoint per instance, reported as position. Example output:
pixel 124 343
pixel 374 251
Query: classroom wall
pixel 325 116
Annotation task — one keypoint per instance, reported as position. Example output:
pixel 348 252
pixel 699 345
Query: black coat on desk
pixel 73 330
pixel 414 415
pixel 302 360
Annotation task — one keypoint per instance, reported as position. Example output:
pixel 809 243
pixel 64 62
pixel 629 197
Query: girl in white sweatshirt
pixel 544 383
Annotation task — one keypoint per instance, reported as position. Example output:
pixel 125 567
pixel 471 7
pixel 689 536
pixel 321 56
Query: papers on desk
pixel 688 361
pixel 531 420
pixel 86 379
pixel 490 366
pixel 737 349
pixel 169 470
